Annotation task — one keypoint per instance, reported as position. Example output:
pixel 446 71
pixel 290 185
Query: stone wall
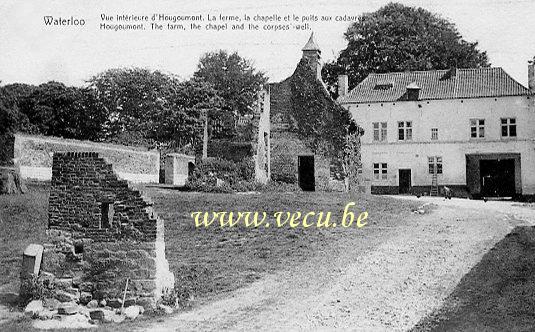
pixel 33 155
pixel 101 233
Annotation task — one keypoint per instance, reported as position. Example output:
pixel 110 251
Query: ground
pixel 399 271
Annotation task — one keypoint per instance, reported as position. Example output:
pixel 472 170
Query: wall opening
pixel 106 215
pixel 191 169
pixel 494 174
pixel 306 175
pixel 405 183
pixel 78 247
pixel 497 177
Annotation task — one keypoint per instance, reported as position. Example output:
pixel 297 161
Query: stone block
pixel 64 296
pixel 31 260
pixel 68 308
pixel 129 302
pixel 132 312
pixel 115 303
pixel 34 308
pixel 51 303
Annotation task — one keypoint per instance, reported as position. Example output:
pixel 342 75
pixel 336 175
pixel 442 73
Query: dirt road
pixel 385 282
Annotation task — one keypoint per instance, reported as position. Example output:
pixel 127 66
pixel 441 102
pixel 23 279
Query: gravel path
pixel 387 281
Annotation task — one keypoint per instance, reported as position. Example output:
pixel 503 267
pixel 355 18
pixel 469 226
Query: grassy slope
pixel 498 294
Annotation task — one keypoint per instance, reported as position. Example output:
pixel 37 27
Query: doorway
pixel 497 177
pixel 405 181
pixel 306 173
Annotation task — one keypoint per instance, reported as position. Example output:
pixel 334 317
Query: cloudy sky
pixel 32 52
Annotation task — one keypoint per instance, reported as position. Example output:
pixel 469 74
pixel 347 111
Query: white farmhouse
pixel 472 130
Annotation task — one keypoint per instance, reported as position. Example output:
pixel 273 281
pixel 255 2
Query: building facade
pixel 472 130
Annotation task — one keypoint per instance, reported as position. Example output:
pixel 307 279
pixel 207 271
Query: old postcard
pixel 270 165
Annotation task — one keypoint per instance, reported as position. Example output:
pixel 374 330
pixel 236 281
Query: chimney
pixel 413 91
pixel 312 52
pixel 342 85
pixel 531 74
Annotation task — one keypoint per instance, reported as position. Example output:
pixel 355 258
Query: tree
pixel 401 38
pixel 71 112
pixel 11 118
pixel 180 124
pixel 152 108
pixel 233 77
pixel 130 95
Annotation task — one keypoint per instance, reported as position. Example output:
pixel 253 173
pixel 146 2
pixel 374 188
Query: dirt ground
pixel 386 282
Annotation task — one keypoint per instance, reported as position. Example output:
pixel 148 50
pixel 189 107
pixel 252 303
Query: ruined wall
pixel 33 155
pixel 262 139
pixel 102 232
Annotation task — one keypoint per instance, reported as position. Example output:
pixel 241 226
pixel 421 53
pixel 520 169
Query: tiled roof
pixel 436 84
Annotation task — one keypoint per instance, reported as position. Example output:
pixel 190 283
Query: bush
pixel 221 175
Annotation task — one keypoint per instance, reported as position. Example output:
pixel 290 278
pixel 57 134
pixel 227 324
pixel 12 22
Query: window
pixel 434 133
pixel 435 163
pixel 379 131
pixel 508 127
pixel 405 130
pixel 477 128
pixel 106 215
pixel 380 171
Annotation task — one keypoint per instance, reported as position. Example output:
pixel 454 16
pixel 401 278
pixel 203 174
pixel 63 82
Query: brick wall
pixel 101 233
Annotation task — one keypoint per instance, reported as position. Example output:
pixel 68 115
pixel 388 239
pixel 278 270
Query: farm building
pixel 472 130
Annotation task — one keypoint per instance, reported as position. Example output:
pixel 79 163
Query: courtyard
pixel 396 272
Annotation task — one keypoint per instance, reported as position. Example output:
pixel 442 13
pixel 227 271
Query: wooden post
pixel 205 136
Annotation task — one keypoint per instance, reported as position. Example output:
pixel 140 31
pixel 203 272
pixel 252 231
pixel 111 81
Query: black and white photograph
pixel 232 165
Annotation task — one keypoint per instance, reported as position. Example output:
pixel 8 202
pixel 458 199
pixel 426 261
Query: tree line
pixel 135 106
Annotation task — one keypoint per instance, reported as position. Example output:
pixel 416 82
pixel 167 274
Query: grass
pixel 23 220
pixel 498 294
pixel 214 260
pixel 209 262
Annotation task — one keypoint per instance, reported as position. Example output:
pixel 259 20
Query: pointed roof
pixel 311 45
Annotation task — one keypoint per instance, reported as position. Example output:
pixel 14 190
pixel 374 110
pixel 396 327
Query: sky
pixel 32 52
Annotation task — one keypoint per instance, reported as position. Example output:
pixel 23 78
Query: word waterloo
pixel 281 219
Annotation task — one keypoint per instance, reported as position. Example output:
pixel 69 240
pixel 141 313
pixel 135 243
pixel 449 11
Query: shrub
pixel 235 176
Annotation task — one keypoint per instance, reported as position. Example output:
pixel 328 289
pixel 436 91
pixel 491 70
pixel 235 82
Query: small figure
pixel 447 192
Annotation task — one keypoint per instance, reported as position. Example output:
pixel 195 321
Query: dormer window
pixel 413 92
